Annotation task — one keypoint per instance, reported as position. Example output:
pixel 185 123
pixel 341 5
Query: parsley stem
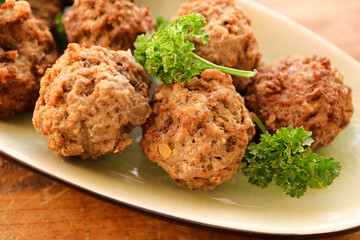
pixel 260 124
pixel 236 72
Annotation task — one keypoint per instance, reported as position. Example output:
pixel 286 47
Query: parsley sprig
pixel 59 33
pixel 168 53
pixel 161 22
pixel 60 29
pixel 286 158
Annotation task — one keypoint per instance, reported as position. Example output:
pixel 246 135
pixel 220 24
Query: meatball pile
pixel 27 49
pixel 232 42
pixel 90 100
pixel 302 91
pixel 113 24
pixel 198 131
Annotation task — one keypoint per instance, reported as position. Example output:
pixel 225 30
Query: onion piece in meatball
pixel 302 91
pixel 198 131
pixel 90 100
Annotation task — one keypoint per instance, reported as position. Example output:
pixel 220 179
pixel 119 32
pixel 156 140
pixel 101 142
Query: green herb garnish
pixel 1 2
pixel 60 35
pixel 286 158
pixel 161 22
pixel 60 29
pixel 168 54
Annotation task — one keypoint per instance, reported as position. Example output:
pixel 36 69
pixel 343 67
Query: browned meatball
pixel 90 100
pixel 46 10
pixel 27 49
pixel 113 24
pixel 232 42
pixel 302 91
pixel 198 131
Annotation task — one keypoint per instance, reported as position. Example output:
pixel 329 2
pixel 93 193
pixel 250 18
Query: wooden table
pixel 35 207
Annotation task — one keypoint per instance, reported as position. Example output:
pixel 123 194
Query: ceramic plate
pixel 131 179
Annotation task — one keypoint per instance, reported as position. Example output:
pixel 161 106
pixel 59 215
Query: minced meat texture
pixel 113 24
pixel 302 91
pixel 46 10
pixel 198 131
pixel 90 100
pixel 27 49
pixel 232 42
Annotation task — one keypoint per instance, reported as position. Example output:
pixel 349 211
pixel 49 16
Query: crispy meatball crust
pixel 90 100
pixel 232 42
pixel 198 131
pixel 113 24
pixel 46 10
pixel 302 91
pixel 27 49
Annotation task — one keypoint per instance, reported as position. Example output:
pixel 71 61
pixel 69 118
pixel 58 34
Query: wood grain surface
pixel 35 207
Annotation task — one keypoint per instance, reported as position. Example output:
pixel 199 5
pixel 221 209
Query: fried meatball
pixel 232 42
pixel 90 100
pixel 302 91
pixel 27 49
pixel 113 24
pixel 198 131
pixel 46 10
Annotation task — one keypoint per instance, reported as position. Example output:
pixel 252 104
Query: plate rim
pixel 157 214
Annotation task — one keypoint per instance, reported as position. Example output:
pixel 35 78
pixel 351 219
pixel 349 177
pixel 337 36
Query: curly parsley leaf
pixel 59 33
pixel 168 54
pixel 60 29
pixel 1 2
pixel 161 22
pixel 286 158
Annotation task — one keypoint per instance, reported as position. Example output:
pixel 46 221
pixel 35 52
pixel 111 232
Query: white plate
pixel 131 179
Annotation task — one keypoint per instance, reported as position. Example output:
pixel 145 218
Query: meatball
pixel 113 24
pixel 46 10
pixel 198 131
pixel 230 30
pixel 27 49
pixel 302 91
pixel 90 100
